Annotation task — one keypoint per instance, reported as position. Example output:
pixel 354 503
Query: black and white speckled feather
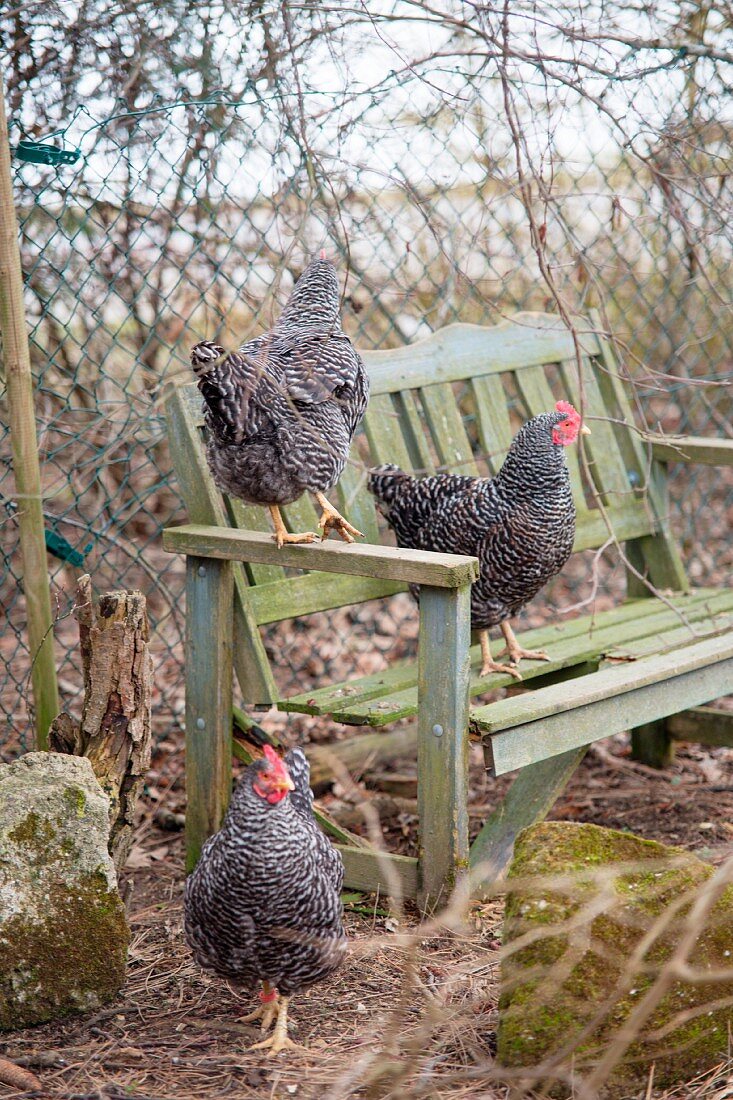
pixel 281 412
pixel 263 903
pixel 519 524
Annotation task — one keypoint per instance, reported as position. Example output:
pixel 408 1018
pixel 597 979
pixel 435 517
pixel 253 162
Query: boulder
pixel 584 1001
pixel 63 933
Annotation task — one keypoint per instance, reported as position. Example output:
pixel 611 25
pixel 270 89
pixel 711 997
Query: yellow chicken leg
pixel 489 664
pixel 331 519
pixel 516 651
pixel 282 536
pixel 279 1039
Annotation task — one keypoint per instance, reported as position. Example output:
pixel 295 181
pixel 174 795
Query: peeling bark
pixel 114 732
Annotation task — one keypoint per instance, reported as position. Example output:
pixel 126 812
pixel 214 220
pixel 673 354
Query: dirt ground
pixel 413 1011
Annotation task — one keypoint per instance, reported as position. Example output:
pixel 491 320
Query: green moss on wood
pixel 553 985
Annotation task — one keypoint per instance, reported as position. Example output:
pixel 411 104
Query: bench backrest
pixel 452 402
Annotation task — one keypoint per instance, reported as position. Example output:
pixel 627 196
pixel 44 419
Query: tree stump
pixel 114 732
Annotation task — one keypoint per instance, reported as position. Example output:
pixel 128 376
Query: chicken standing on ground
pixel 263 904
pixel 520 524
pixel 281 412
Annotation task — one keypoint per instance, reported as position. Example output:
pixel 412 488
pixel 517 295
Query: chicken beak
pixel 286 784
pixel 585 430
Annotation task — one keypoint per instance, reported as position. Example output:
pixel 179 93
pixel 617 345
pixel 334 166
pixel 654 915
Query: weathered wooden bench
pixel 445 403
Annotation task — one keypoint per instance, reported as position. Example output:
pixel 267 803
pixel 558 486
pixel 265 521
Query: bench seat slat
pixel 403 674
pixel 572 654
pixel 664 641
pixel 615 679
pixel 384 697
pixel 613 700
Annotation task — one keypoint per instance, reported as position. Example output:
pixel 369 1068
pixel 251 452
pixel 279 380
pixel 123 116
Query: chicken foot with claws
pixel 279 1040
pixel 488 664
pixel 267 1010
pixel 515 651
pixel 333 520
pixel 282 536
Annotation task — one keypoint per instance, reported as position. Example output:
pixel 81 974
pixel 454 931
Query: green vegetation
pixel 567 990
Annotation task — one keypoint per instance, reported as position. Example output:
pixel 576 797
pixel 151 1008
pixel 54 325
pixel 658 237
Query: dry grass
pixel 174 1030
pixel 412 1014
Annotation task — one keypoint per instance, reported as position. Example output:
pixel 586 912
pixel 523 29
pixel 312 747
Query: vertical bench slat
pixel 450 439
pixel 354 500
pixel 384 433
pixel 604 458
pixel 302 514
pixel 415 432
pixel 492 419
pixel 658 553
pixel 615 399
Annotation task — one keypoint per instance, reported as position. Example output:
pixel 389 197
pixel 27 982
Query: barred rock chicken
pixel 263 903
pixel 520 524
pixel 281 412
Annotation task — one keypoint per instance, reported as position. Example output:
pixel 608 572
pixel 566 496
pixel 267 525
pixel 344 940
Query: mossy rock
pixel 63 932
pixel 583 899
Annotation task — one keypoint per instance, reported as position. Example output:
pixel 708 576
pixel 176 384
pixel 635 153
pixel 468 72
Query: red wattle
pixel 276 796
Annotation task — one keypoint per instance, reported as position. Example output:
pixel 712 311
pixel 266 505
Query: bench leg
pixel 529 799
pixel 652 744
pixel 209 613
pixel 442 748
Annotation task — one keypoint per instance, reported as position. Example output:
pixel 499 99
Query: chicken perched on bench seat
pixel 519 524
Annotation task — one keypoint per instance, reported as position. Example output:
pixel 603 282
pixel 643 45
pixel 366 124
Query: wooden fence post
pixel 24 442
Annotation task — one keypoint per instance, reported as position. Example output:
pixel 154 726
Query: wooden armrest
pixel 691 448
pixel 360 559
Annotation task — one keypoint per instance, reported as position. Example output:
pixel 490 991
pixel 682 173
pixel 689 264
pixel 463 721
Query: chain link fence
pixel 193 220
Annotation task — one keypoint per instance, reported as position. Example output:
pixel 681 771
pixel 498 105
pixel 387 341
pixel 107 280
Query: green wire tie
pixel 40 152
pixel 57 545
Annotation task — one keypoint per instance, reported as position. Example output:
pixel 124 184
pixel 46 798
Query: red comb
pixel 323 253
pixel 567 408
pixel 272 756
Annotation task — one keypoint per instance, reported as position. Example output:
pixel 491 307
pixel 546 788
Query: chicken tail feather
pixel 205 357
pixel 226 381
